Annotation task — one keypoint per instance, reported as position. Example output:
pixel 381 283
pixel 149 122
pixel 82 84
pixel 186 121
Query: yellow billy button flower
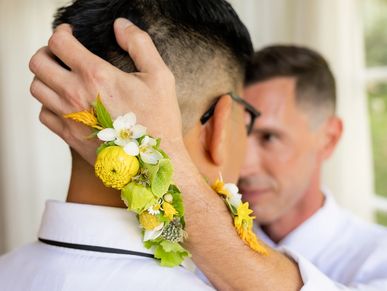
pixel 169 210
pixel 148 221
pixel 244 224
pixel 87 117
pixel 115 167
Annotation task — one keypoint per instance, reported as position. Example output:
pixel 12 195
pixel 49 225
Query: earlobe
pixel 333 132
pixel 216 131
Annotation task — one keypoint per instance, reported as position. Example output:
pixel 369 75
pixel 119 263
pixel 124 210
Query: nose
pixel 252 164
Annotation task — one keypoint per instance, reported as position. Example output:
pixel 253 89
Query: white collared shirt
pixel 42 267
pixel 337 251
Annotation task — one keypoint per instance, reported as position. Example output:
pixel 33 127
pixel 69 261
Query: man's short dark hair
pixel 315 84
pixel 202 41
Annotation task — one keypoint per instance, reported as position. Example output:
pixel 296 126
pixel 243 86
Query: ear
pixel 332 132
pixel 216 130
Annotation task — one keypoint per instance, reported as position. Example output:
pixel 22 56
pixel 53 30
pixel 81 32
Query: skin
pixel 216 147
pixel 281 177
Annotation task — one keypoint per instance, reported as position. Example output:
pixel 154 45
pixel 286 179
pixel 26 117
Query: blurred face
pixel 282 162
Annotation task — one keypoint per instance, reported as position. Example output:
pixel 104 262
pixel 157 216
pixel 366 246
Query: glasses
pixel 253 113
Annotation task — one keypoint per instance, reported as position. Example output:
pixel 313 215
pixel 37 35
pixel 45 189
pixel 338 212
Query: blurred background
pixel 351 34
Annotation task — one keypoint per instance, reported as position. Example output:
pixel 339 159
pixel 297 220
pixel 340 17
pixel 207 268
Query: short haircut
pixel 203 42
pixel 315 84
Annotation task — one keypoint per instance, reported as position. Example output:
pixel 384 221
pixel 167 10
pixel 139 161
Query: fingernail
pixel 123 23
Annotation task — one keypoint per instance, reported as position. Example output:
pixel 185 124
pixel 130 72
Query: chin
pixel 264 215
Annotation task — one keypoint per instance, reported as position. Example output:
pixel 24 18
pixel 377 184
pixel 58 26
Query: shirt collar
pixel 317 231
pixel 91 225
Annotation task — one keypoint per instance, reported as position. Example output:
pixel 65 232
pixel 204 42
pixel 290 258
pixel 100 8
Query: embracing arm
pixel 213 241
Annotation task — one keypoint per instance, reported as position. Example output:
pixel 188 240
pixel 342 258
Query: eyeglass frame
pixel 254 114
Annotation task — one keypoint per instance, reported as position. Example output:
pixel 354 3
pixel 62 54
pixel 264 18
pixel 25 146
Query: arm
pixel 213 241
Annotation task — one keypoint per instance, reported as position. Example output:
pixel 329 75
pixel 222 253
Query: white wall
pixel 35 164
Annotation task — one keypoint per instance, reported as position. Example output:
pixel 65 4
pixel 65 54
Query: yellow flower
pixel 244 224
pixel 115 167
pixel 243 218
pixel 87 117
pixel 249 237
pixel 169 210
pixel 218 187
pixel 148 221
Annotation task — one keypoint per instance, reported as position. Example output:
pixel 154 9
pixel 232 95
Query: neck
pixel 86 188
pixel 311 201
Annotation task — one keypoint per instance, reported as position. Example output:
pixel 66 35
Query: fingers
pixel 69 50
pixel 50 72
pixel 139 45
pixel 52 121
pixel 46 96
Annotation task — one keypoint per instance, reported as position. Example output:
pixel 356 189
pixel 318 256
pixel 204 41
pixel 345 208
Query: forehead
pixel 276 99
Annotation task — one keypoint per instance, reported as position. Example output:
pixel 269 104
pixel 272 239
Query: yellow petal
pixel 148 221
pixel 218 187
pixel 87 117
pixel 169 210
pixel 115 167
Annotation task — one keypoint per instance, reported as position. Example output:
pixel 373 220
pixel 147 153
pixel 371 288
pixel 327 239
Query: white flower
pixel 125 131
pixel 154 210
pixel 154 233
pixel 147 151
pixel 235 198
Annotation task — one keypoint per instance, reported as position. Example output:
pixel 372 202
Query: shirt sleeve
pixel 315 280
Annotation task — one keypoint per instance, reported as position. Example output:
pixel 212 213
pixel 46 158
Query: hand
pixel 150 93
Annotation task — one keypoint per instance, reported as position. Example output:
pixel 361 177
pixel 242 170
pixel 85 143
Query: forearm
pixel 215 245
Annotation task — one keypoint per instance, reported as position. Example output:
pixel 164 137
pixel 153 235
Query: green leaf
pixel 169 246
pixel 137 197
pixel 103 116
pixel 170 254
pixel 160 176
pixel 177 201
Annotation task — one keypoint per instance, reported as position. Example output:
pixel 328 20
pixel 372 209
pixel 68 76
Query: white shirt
pixel 43 267
pixel 337 251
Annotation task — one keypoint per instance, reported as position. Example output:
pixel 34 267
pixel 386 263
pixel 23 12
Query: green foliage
pixel 103 116
pixel 375 32
pixel 137 197
pixel 378 118
pixel 160 176
pixel 381 217
pixel 170 254
pixel 177 201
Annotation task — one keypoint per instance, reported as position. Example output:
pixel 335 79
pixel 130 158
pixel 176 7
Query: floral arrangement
pixel 243 222
pixel 131 161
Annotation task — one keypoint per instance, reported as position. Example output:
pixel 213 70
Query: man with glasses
pixel 206 47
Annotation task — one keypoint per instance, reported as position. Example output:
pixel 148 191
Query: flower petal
pixel 151 156
pixel 107 134
pixel 130 119
pixel 132 149
pixel 232 188
pixel 138 131
pixel 235 200
pixel 153 234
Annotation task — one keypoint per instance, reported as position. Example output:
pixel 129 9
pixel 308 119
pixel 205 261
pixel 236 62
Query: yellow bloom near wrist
pixel 148 221
pixel 218 187
pixel 115 167
pixel 249 237
pixel 87 117
pixel 169 210
pixel 243 223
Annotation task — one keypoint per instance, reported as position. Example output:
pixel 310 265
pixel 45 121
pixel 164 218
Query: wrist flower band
pixel 131 161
